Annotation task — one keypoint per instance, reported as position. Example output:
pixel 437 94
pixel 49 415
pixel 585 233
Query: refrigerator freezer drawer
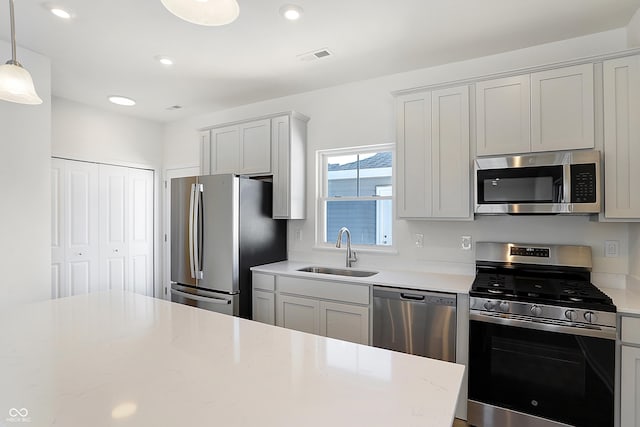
pixel 212 301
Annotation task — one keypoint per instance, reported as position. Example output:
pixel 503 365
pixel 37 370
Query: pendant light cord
pixel 13 36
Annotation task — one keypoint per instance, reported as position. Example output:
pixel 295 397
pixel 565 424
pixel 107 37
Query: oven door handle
pixel 542 325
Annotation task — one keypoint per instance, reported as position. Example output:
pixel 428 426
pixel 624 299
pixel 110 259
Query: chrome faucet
pixel 351 255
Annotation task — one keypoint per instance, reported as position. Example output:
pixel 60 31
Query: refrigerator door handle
pixel 199 298
pixel 197 245
pixel 191 229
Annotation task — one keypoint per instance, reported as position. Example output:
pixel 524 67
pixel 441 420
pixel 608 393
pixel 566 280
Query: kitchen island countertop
pixel 117 358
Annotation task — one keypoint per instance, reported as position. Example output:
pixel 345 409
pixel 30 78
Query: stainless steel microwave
pixel 565 182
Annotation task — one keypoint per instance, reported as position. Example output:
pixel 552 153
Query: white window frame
pixel 326 242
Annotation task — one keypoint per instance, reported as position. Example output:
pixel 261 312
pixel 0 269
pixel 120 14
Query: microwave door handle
pixel 566 183
pixel 191 230
pixel 197 246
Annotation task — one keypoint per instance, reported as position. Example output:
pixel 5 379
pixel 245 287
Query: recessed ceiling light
pixel 291 12
pixel 164 60
pixel 60 13
pixel 122 100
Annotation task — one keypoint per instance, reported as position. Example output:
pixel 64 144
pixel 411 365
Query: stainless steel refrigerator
pixel 221 226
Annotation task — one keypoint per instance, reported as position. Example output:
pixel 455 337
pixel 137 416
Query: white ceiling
pixel 109 47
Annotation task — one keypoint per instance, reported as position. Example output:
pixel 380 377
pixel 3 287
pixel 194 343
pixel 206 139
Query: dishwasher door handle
pixel 412 297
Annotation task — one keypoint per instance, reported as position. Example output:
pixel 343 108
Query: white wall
pixel 82 132
pixel 633 30
pixel 25 191
pixel 362 113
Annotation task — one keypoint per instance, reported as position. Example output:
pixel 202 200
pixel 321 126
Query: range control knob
pixel 504 306
pixel 590 317
pixel 535 310
pixel 571 315
pixel 489 305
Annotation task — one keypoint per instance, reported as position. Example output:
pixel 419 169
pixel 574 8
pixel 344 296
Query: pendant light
pixel 16 84
pixel 204 12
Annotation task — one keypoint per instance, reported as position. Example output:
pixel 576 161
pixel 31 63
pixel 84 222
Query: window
pixel 356 192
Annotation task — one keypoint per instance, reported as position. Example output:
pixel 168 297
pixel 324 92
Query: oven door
pixel 552 375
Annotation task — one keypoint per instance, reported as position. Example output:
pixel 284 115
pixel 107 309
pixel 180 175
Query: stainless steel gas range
pixel 542 339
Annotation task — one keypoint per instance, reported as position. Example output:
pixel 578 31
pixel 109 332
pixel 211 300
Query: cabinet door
pixel 630 387
pixel 300 314
pixel 622 137
pixel 562 115
pixel 225 151
pixel 413 127
pixel 280 137
pixel 450 164
pixel 255 147
pixel 205 152
pixel 263 307
pixel 345 322
pixel 503 116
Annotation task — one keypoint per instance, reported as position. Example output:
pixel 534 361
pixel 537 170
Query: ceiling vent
pixel 316 54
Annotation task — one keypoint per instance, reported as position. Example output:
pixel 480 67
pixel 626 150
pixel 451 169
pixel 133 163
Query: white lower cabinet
pixel 332 309
pixel 263 303
pixel 630 387
pixel 300 314
pixel 630 372
pixel 345 322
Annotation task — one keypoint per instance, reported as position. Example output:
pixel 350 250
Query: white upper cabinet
pixel 621 78
pixel 450 163
pixel 414 154
pixel 562 109
pixel 241 148
pixel 255 147
pixel 288 148
pixel 433 154
pixel 503 116
pixel 274 145
pixel 545 111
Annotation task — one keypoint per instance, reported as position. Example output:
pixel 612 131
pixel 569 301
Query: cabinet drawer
pixel 339 291
pixel 265 282
pixel 631 330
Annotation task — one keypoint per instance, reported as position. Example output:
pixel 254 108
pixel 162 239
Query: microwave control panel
pixel 583 183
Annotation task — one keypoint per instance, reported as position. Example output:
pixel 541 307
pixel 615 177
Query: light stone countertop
pixel 627 301
pixel 118 358
pixel 454 283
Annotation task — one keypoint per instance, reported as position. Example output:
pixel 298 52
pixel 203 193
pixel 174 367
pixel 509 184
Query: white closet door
pixel 141 236
pixel 114 224
pixel 58 276
pixel 81 228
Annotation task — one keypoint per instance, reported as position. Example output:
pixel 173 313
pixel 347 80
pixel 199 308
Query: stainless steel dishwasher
pixel 415 322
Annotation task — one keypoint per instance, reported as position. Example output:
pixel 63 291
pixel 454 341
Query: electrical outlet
pixel 298 234
pixel 611 248
pixel 419 240
pixel 465 243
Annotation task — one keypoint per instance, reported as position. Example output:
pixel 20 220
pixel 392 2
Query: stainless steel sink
pixel 338 271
